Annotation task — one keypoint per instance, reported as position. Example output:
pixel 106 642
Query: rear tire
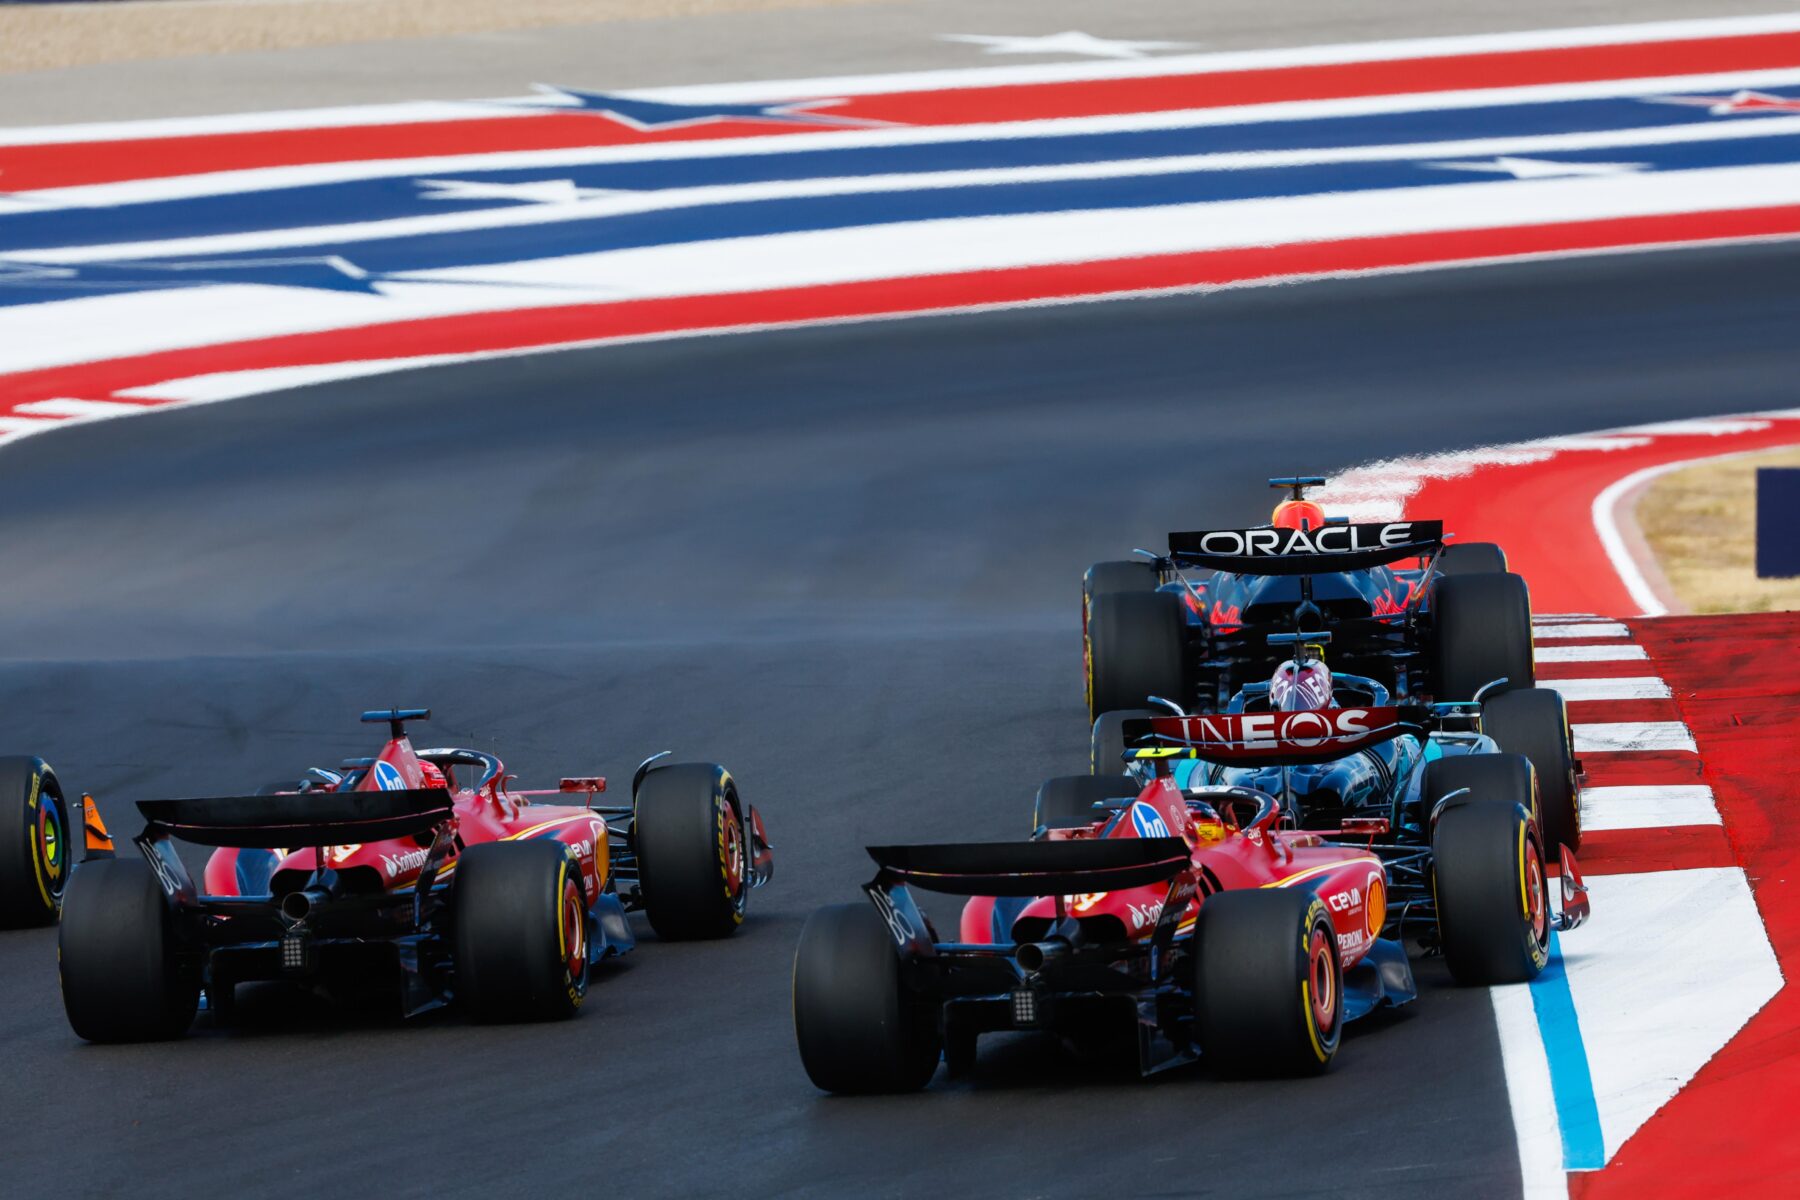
pixel 1493 897
pixel 1136 648
pixel 37 842
pixel 1106 579
pixel 1472 558
pixel 1481 632
pixel 1268 985
pixel 521 932
pixel 124 978
pixel 1067 802
pixel 693 852
pixel 1106 744
pixel 859 1027
pixel 1535 722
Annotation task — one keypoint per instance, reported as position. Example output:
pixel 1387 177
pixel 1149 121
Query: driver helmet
pixel 1299 685
pixel 430 776
pixel 1298 514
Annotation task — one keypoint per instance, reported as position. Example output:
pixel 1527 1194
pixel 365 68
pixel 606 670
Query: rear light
pixel 1024 1008
pixel 296 953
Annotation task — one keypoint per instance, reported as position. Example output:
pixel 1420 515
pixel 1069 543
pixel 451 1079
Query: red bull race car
pixel 1191 625
pixel 1189 919
pixel 422 872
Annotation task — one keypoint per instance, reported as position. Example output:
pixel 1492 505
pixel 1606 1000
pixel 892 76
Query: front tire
pixel 693 852
pixel 1136 649
pixel 124 978
pixel 1067 802
pixel 860 1029
pixel 1268 984
pixel 1535 722
pixel 1493 895
pixel 521 932
pixel 1106 742
pixel 37 842
pixel 1481 632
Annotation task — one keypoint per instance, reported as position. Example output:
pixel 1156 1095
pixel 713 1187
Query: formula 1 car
pixel 1191 625
pixel 419 869
pixel 1185 918
pixel 39 828
pixel 1388 779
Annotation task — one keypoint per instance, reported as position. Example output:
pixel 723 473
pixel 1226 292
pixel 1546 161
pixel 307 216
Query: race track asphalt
pixel 843 561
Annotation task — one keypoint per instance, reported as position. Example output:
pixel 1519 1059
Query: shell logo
pixel 1375 904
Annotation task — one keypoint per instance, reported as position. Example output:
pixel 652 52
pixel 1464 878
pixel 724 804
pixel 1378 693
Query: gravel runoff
pixel 36 37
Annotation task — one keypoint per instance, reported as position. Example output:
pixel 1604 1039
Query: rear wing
pixel 1271 739
pixel 1034 868
pixel 1271 551
pixel 297 819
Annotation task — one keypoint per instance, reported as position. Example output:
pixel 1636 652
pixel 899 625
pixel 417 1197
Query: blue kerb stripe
pixel 1571 1083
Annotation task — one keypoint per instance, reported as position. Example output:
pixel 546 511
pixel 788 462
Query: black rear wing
pixel 1270 551
pixel 297 819
pixel 1034 868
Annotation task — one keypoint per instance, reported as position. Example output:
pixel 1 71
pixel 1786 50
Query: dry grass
pixel 36 37
pixel 1701 525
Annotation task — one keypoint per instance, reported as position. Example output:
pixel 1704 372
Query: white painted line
pixel 1643 807
pixel 1673 964
pixel 1636 687
pixel 1529 1093
pixel 1603 629
pixel 1633 735
pixel 1602 653
pixel 63 406
pixel 1563 618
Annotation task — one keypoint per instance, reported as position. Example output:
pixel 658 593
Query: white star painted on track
pixel 1069 42
pixel 537 191
pixel 1540 168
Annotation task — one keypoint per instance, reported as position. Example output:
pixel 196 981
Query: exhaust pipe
pixel 1032 956
pixel 297 906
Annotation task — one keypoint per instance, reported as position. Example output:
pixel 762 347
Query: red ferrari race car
pixel 1187 922
pixel 419 869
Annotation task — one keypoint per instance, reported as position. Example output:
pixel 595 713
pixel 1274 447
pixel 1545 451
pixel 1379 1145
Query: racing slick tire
pixel 521 940
pixel 1481 632
pixel 1493 894
pixel 1067 802
pixel 1472 558
pixel 1106 744
pixel 693 851
pixel 124 977
pixel 1268 984
pixel 1535 722
pixel 860 1028
pixel 37 842
pixel 1106 579
pixel 1135 650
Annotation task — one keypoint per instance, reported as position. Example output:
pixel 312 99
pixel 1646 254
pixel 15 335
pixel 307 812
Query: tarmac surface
pixel 844 561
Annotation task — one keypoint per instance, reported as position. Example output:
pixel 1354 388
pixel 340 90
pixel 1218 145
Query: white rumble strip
pixel 1633 735
pixel 1637 687
pixel 1600 653
pixel 1647 807
pixel 1602 629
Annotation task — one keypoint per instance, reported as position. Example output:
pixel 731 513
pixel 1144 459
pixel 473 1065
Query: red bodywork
pixel 1352 882
pixel 486 812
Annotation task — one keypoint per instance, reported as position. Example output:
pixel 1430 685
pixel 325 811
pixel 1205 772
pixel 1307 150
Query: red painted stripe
pixel 62 165
pixel 1586 712
pixel 1634 770
pixel 549 327
pixel 1729 1132
pixel 1629 851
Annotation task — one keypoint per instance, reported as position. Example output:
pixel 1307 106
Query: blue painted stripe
pixel 399 196
pixel 1571 1082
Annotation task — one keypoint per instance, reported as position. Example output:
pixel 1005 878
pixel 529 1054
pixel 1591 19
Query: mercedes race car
pixel 1191 625
pixel 1184 918
pixel 421 873
pixel 1385 779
